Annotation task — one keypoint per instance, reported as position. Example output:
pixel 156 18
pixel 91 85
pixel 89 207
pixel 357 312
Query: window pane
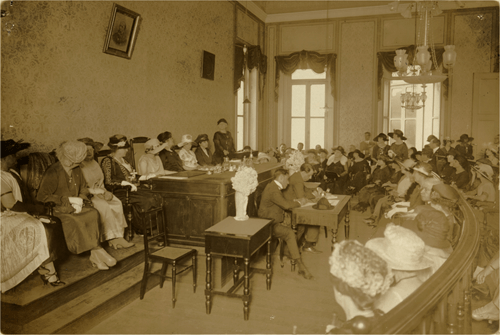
pixel 317 100
pixel 410 113
pixel 298 100
pixel 298 131
pixel 435 126
pixel 395 124
pixel 317 134
pixel 308 74
pixel 396 102
pixel 241 98
pixel 239 131
pixel 410 132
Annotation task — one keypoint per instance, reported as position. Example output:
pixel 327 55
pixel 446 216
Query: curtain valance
pixel 254 59
pixel 386 59
pixel 305 60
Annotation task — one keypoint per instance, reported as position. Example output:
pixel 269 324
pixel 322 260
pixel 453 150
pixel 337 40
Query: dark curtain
pixel 386 59
pixel 305 60
pixel 254 59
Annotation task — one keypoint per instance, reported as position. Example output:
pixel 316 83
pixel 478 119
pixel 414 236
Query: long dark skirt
pixel 142 201
pixel 81 231
pixel 56 242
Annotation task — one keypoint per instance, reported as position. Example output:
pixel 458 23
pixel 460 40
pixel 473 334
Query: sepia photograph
pixel 249 167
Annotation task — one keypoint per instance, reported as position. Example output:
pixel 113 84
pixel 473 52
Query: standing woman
pixel 118 172
pixel 203 154
pixel 109 207
pixel 64 180
pixel 223 142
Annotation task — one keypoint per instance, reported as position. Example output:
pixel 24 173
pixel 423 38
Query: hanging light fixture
pixel 411 100
pixel 420 69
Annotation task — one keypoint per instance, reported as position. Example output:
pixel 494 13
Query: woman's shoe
pixel 370 221
pixel 120 243
pixel 487 312
pixel 52 279
pixel 96 262
pixel 303 271
pixel 105 257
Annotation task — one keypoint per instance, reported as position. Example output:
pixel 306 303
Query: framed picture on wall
pixel 122 32
pixel 208 65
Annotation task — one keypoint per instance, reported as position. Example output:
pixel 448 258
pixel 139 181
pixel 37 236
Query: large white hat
pixel 186 138
pixel 401 248
pixel 153 146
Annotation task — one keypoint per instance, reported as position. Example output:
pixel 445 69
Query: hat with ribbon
pixel 464 137
pixel 201 138
pixel 423 168
pixel 401 248
pixel 383 136
pixel 11 147
pixel 397 132
pixel 263 155
pixel 186 138
pixel 433 227
pixel 153 146
pixel 74 151
pixel 222 120
pixel 323 204
pixel 88 141
pixel 485 170
pixel 118 142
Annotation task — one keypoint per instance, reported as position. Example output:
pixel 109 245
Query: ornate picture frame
pixel 122 32
pixel 208 65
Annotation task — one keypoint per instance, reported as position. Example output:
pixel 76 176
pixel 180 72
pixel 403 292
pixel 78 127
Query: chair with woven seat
pixel 155 251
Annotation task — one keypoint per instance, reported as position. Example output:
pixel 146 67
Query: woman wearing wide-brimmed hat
pixel 223 142
pixel 189 161
pixel 381 147
pixel 358 172
pixel 150 164
pixel 485 192
pixel 203 154
pixel 65 185
pixel 404 253
pixel 398 148
pixel 336 171
pixel 118 172
pixel 464 146
pixel 110 208
pixel 20 257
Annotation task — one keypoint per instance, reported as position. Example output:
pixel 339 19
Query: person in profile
pixel 120 35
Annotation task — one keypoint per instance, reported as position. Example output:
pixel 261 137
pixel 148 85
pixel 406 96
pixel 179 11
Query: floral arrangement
pixel 294 162
pixel 245 180
pixel 361 268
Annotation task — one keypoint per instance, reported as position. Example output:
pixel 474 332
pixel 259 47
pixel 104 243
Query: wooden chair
pixel 137 150
pixel 155 228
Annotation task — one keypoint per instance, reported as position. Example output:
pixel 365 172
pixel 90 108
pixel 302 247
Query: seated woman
pixel 203 154
pixel 489 275
pixel 404 253
pixel 170 159
pixel 20 255
pixel 64 184
pixel 359 277
pixel 336 171
pixel 358 171
pixel 188 157
pixel 150 164
pixel 485 192
pixel 110 208
pixel 381 174
pixel 117 172
pixel 460 176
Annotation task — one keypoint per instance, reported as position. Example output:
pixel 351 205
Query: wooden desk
pixel 238 239
pixel 329 218
pixel 192 205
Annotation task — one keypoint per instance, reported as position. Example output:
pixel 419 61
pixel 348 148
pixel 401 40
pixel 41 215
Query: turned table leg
pixel 246 288
pixel 208 288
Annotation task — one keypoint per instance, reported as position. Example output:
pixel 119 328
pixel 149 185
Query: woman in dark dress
pixel 118 172
pixel 203 154
pixel 170 158
pixel 464 147
pixel 63 183
pixel 381 147
pixel 358 171
pixel 336 171
pixel 223 142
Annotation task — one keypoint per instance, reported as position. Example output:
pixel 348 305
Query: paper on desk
pixel 332 202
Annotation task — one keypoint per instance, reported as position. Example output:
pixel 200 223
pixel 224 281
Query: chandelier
pixel 422 74
pixel 411 100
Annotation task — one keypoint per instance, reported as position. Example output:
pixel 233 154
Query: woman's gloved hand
pixel 126 183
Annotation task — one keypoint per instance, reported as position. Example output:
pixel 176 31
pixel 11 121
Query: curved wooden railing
pixel 443 303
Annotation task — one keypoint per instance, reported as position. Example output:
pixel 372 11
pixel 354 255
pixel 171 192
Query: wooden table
pixel 330 218
pixel 194 204
pixel 238 239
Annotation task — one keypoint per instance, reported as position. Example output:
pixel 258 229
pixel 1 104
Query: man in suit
pixel 272 206
pixel 297 190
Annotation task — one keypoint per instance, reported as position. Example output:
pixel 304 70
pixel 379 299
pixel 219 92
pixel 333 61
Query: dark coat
pixel 273 204
pixel 202 158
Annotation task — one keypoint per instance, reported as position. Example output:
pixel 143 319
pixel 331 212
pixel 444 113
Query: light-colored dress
pixel 149 163
pixel 188 158
pixel 112 219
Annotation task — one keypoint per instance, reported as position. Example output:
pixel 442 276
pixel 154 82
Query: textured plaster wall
pixel 472 38
pixel 57 84
pixel 357 52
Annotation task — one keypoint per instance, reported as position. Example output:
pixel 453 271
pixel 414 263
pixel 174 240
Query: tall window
pixel 240 117
pixel 308 108
pixel 416 124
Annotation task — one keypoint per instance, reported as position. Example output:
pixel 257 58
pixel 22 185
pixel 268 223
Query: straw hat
pixel 485 170
pixel 186 138
pixel 323 204
pixel 423 168
pixel 401 248
pixel 153 146
pixel 432 227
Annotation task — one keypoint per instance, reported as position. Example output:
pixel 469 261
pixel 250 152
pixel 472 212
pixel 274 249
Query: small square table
pixel 238 239
pixel 330 218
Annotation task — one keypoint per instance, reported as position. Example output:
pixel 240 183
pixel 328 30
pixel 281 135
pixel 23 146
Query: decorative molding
pixel 313 39
pixel 254 9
